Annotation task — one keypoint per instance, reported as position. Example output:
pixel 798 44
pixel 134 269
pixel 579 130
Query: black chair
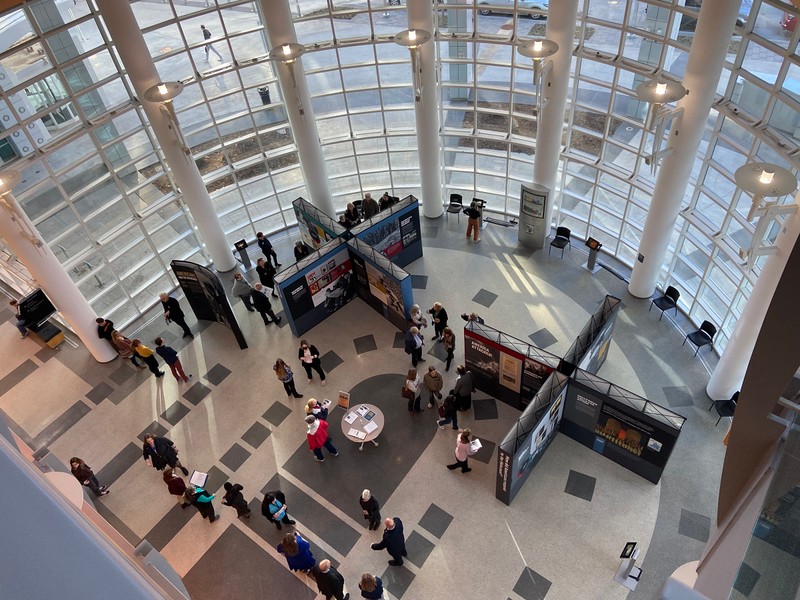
pixel 735 398
pixel 561 240
pixel 667 301
pixel 456 206
pixel 702 337
pixel 726 408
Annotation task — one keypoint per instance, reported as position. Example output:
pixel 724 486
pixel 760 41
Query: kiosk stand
pixel 594 247
pixel 241 246
pixel 628 573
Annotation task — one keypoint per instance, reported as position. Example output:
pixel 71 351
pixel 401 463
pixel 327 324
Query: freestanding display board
pixel 316 228
pixel 590 348
pixel 394 232
pixel 533 228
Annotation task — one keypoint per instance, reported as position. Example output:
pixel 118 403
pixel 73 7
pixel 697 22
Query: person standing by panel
pixel 439 315
pixel 371 509
pixel 266 249
pixel 463 388
pixel 286 377
pixel 393 541
pixel 263 305
pixel 449 343
pixel 173 312
pixel 463 451
pixel 170 356
pixel 147 355
pixel 301 251
pixel 21 322
pixel 309 358
pixel 266 275
pixel 242 288
pixel 369 207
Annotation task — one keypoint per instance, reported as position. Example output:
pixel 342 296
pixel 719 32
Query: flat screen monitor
pixel 627 551
pixel 593 244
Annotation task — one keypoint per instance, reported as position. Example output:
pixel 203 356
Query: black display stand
pixel 594 248
pixel 241 247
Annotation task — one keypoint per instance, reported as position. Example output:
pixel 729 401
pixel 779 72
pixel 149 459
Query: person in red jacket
pixel 176 486
pixel 318 437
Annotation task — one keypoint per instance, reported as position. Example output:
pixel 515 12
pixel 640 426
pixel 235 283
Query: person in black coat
pixel 329 581
pixel 463 388
pixel 173 312
pixel 262 304
pixel 266 275
pixel 201 500
pixel 301 250
pixel 439 319
pixel 371 508
pixel 104 329
pixel 267 249
pixel 309 358
pixel 162 453
pixel 393 540
pixel 234 497
pixel 413 345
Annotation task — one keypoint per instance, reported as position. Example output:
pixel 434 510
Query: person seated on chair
pixel 386 201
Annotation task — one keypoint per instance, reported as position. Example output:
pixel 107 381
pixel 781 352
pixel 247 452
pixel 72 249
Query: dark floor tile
pixel 123 461
pixel 418 548
pixel 580 485
pixel 63 423
pixel 99 393
pixel 746 579
pixel 256 435
pixel 542 338
pixel 694 525
pixel 330 360
pixel 365 344
pixel 397 580
pixel 217 374
pixel 531 585
pixel 17 375
pixel 170 525
pixel 399 340
pixel 156 428
pixel 435 520
pixel 123 373
pixel 196 393
pixel 436 350
pixel 486 452
pixel 235 457
pixel 419 282
pixel 216 478
pixel 45 354
pixel 678 396
pixel 175 413
pixel 277 413
pixel 485 409
pixel 485 298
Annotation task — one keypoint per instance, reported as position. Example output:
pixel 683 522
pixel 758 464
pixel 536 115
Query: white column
pixel 135 56
pixel 711 40
pixel 420 16
pixel 21 236
pixel 729 372
pixel 561 18
pixel 280 30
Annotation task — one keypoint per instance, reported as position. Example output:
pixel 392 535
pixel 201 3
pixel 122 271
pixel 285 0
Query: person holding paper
pixel 276 510
pixel 315 408
pixel 309 358
pixel 464 449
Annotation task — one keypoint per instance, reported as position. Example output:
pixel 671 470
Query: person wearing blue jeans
pixel 318 438
pixel 23 331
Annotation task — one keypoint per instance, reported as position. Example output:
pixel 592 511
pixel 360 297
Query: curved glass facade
pixel 97 186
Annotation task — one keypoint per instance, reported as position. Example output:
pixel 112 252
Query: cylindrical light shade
pixel 9 179
pixel 765 179
pixel 287 53
pixel 163 92
pixel 412 38
pixel 537 49
pixel 660 92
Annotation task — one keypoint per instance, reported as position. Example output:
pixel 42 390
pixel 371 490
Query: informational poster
pixel 385 238
pixel 312 231
pixel 329 283
pixel 385 289
pixel 533 376
pixel 482 356
pixel 396 235
pixel 344 400
pixel 510 370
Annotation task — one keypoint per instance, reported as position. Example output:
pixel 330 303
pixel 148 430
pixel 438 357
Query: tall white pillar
pixel 21 236
pixel 729 373
pixel 280 30
pixel 426 109
pixel 706 57
pixel 561 19
pixel 135 56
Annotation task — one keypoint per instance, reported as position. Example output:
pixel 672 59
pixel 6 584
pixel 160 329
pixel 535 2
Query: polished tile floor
pixel 559 540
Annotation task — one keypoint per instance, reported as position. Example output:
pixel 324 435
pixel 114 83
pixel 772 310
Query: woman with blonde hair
pixel 286 377
pixel 315 408
pixel 125 348
pixel 371 587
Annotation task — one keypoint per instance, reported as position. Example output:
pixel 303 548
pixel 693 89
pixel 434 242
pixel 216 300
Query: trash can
pixel 264 93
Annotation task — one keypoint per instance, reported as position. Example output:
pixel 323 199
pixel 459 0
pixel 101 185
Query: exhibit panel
pixel 394 232
pixel 316 227
pixel 590 348
pixel 36 307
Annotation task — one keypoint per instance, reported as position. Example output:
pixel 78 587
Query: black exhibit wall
pixel 36 307
pixel 590 348
pixel 394 232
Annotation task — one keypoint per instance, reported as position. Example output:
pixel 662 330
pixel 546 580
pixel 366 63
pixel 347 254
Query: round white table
pixel 366 419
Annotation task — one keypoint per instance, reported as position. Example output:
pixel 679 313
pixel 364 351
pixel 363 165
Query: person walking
pixel 412 392
pixel 201 500
pixel 463 388
pixel 464 450
pixel 266 275
pixel 241 287
pixel 208 47
pixel 413 345
pixel 301 251
pixel 297 552
pixel 104 329
pixel 162 453
pixel 473 213
pixel 21 322
pixel 309 358
pixel 393 541
pixel 371 509
pixel 234 497
pixel 371 587
pixel 449 343
pixel 147 355
pixel 313 407
pixel 125 348
pixel 317 435
pixel 369 206
pixel 266 249
pixel 286 377
pixel 86 476
pixel 439 316
pixel 449 412
pixel 176 486
pixel 330 582
pixel 174 312
pixel 275 509
pixel 263 305
pixel 170 356
pixel 433 382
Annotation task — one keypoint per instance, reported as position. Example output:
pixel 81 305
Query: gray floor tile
pixel 196 393
pixel 435 520
pixel 580 485
pixel 418 548
pixel 277 413
pixel 365 344
pixel 396 579
pixel 156 428
pixel 256 435
pixel 485 298
pixel 694 525
pixel 486 452
pixel 125 372
pixel 430 231
pixel 216 478
pixel 123 461
pixel 485 409
pixel 63 423
pixel 99 393
pixel 419 282
pixel 399 340
pixel 531 585
pixel 217 374
pixel 746 579
pixel 170 525
pixel 17 375
pixel 44 354
pixel 678 396
pixel 175 413
pixel 435 350
pixel 330 360
pixel 542 338
pixel 235 457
